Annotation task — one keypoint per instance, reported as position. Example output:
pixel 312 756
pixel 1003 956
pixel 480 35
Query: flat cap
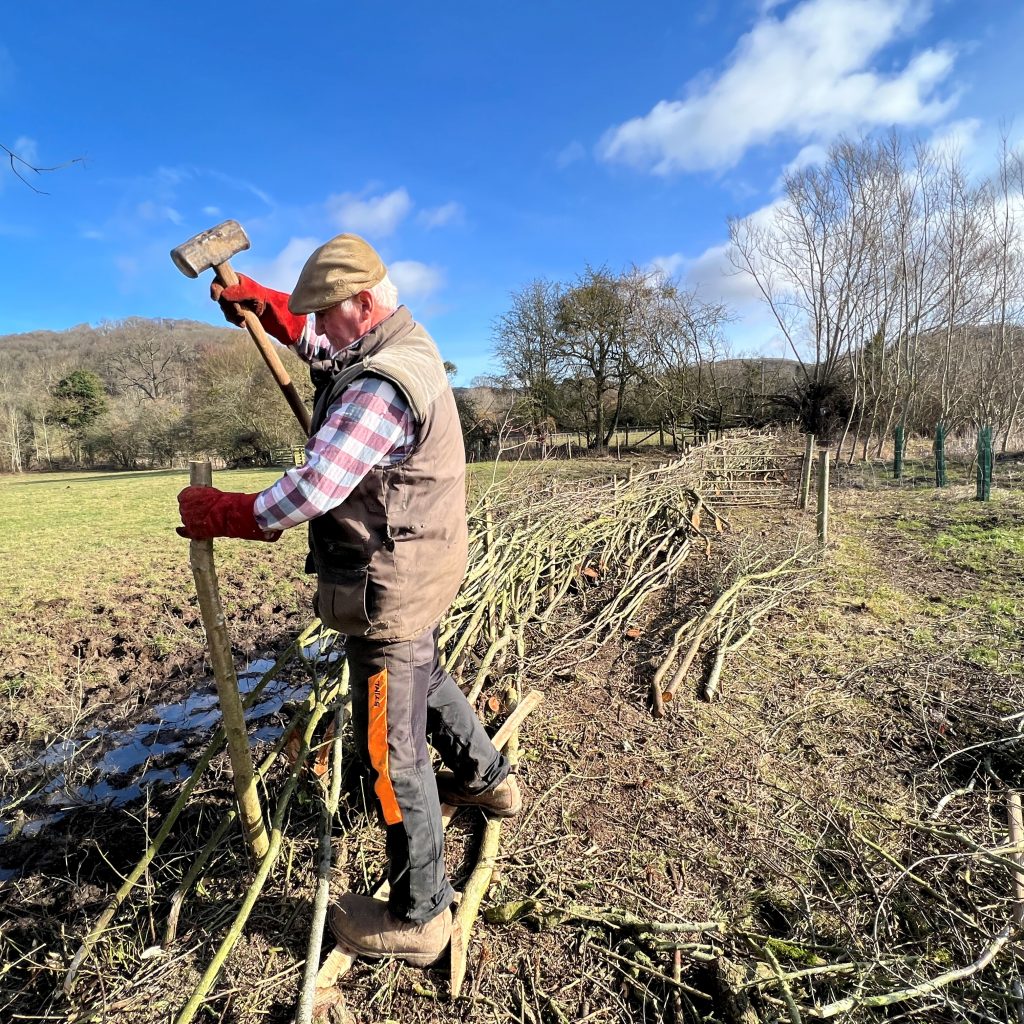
pixel 339 269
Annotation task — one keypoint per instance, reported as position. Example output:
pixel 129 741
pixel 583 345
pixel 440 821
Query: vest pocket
pixel 346 601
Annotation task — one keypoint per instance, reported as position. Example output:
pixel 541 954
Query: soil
pixel 859 707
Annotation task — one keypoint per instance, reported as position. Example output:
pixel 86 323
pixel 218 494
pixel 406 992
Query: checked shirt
pixel 370 425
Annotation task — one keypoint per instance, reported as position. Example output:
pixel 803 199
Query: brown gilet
pixel 391 558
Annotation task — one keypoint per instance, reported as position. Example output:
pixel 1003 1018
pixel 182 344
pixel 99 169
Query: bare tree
pixel 146 360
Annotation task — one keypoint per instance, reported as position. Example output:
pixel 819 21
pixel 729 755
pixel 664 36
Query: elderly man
pixel 383 492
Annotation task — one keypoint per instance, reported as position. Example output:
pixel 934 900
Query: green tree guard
pixel 984 478
pixel 897 461
pixel 940 455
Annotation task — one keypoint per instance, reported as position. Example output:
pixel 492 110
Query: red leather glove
pixel 271 307
pixel 208 513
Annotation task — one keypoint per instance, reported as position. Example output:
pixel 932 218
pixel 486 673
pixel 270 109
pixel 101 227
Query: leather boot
pixel 502 801
pixel 368 928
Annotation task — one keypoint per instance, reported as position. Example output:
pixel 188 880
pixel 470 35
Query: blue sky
pixel 478 146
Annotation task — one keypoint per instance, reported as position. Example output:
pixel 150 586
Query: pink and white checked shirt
pixel 371 424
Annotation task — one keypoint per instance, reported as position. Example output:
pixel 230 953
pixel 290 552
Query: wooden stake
pixel 823 459
pixel 805 472
pixel 1016 821
pixel 201 559
pixel 469 905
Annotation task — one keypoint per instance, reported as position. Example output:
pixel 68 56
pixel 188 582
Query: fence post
pixel 984 480
pixel 823 461
pixel 940 455
pixel 897 459
pixel 805 472
pixel 568 447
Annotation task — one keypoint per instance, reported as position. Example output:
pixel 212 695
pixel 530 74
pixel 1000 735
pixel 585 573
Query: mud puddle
pixel 114 768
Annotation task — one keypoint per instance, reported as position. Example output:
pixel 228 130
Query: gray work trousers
pixel 402 699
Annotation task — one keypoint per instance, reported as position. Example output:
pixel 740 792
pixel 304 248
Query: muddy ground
pixel 807 813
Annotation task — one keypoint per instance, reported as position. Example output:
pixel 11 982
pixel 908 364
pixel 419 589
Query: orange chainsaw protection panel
pixel 377 741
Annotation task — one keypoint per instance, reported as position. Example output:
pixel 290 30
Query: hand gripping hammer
pixel 213 248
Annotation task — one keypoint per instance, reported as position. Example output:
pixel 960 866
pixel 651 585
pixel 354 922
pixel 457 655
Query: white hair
pixel 384 293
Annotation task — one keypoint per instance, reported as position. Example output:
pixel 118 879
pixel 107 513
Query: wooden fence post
pixel 805 472
pixel 201 559
pixel 823 461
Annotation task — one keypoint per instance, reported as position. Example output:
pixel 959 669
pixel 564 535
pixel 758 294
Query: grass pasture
pixel 99 599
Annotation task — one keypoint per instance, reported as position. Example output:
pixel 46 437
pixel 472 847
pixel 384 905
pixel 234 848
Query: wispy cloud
pixel 370 215
pixel 415 280
pixel 441 216
pixel 714 277
pixel 283 270
pixel 806 74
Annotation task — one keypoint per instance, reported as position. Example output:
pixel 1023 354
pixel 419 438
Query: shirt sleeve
pixel 369 425
pixel 312 347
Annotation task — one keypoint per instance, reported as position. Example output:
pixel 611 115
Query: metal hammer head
pixel 210 248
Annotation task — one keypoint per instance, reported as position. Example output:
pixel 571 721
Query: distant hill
pixel 87 341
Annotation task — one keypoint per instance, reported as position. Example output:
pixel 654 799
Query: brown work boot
pixel 368 928
pixel 502 801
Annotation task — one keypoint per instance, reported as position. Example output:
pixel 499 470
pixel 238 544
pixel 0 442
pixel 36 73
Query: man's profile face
pixel 346 322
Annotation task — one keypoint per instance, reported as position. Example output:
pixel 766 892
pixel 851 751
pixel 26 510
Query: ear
pixel 366 303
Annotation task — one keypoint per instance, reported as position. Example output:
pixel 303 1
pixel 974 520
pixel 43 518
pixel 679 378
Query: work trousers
pixel 402 699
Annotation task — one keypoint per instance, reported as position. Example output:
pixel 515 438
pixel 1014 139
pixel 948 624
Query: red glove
pixel 207 513
pixel 271 307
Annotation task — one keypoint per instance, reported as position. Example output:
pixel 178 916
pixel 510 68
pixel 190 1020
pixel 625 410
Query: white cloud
pixel 376 215
pixel 957 137
pixel 283 270
pixel 211 211
pixel 805 74
pixel 713 276
pixel 415 280
pixel 439 216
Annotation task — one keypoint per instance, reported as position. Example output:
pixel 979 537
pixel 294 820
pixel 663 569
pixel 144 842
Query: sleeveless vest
pixel 391 557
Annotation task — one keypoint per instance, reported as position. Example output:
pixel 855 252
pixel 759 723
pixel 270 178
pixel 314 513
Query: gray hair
pixel 384 292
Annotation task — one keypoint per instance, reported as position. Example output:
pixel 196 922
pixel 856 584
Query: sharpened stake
pixel 201 559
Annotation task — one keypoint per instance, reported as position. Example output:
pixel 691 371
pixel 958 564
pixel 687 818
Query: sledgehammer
pixel 213 249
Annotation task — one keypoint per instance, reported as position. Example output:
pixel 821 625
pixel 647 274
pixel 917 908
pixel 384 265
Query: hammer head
pixel 210 248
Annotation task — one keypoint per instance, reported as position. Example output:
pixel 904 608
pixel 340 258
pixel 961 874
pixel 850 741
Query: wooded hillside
pixel 137 392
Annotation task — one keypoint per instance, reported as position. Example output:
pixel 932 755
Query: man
pixel 383 492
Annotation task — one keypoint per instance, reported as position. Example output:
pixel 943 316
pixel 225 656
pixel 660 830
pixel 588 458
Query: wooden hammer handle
pixel 228 277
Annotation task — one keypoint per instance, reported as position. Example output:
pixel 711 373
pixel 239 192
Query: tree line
pixel 609 349
pixel 897 282
pixel 139 393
